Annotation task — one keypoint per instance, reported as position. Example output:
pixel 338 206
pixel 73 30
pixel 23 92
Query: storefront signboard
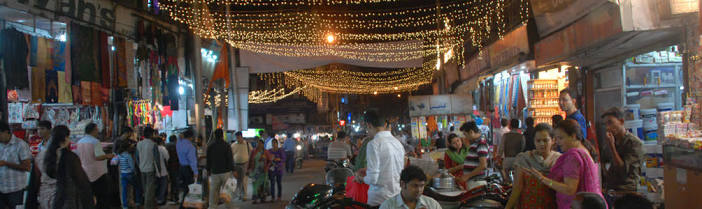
pixel 100 13
pixel 552 15
pixel 440 104
pixel 597 26
pixel 509 48
pixel 418 105
pixel 447 104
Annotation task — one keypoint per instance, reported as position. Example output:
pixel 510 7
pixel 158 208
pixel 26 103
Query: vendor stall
pixel 438 113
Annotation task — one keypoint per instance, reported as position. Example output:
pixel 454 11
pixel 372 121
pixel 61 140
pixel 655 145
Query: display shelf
pixel 682 157
pixel 544 98
pixel 545 107
pixel 651 86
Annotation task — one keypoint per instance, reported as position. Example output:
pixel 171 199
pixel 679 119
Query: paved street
pixel 312 172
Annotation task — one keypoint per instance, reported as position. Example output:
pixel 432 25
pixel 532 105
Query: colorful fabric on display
pixel 58 56
pixel 85 92
pixel 515 90
pixel 96 93
pixel 76 92
pixel 84 53
pixel 67 55
pixel 64 94
pixel 32 50
pixel 52 86
pixel 104 60
pixel 44 46
pixel 121 62
pixel 14 51
pixel 38 84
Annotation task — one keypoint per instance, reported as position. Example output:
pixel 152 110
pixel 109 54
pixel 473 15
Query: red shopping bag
pixel 356 191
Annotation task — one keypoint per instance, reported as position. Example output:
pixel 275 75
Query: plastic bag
pixel 226 193
pixel 356 191
pixel 194 197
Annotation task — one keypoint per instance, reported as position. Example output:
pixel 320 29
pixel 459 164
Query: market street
pixel 312 172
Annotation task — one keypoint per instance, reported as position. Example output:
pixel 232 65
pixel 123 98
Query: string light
pixel 269 96
pixel 277 27
pixel 346 79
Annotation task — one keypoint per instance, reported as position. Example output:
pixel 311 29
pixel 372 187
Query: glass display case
pixel 651 84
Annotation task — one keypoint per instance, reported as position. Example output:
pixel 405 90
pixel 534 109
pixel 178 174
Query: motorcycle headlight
pixel 299 147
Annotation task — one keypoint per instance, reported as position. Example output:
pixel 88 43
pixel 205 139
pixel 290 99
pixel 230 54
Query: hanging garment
pixel 14 51
pixel 67 55
pixel 121 62
pixel 64 94
pixel 44 46
pixel 96 94
pixel 104 59
pixel 58 56
pixel 84 53
pixel 76 91
pixel 52 86
pixel 32 50
pixel 85 88
pixel 38 85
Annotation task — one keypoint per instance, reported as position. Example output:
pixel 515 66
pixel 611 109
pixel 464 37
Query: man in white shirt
pixel 412 182
pixel 241 151
pixel 497 136
pixel 385 161
pixel 339 149
pixel 93 159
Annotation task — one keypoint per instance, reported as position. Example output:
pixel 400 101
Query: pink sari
pixel 576 163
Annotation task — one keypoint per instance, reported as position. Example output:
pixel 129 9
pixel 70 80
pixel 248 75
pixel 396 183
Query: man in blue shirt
pixel 289 147
pixel 567 104
pixel 187 156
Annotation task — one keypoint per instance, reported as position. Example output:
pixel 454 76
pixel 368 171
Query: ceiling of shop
pixel 26 22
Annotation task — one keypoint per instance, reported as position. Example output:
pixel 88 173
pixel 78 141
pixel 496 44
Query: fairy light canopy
pixel 376 31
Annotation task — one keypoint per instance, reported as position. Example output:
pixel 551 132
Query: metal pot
pixel 444 181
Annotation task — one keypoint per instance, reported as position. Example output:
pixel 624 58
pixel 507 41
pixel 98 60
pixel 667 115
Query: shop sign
pixel 96 12
pixel 504 51
pixel 440 105
pixel 597 26
pixel 418 105
pixel 551 15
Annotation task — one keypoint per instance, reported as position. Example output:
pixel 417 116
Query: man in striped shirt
pixel 476 161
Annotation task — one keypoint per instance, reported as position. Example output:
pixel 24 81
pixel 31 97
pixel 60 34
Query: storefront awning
pixel 610 33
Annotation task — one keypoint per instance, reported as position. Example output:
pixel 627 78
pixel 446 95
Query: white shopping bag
pixel 194 197
pixel 226 193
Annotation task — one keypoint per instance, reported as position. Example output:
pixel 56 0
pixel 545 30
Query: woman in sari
pixel 454 157
pixel 258 165
pixel 575 171
pixel 528 192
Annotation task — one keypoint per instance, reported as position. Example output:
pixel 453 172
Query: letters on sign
pixel 97 12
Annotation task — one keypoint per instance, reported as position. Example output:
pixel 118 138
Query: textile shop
pixel 71 72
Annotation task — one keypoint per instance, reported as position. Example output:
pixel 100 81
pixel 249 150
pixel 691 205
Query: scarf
pixel 458 157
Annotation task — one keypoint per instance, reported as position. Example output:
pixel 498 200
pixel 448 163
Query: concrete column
pixel 197 79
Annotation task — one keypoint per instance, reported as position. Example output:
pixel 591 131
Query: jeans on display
pixel 217 181
pixel 149 181
pixel 290 161
pixel 128 179
pixel 276 179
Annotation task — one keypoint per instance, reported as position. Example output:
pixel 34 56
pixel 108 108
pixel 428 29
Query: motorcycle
pixel 494 194
pixel 299 155
pixel 326 196
pixel 332 164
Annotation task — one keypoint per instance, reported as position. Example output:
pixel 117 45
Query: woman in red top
pixel 454 157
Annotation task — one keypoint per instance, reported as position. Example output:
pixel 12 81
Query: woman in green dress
pixel 258 165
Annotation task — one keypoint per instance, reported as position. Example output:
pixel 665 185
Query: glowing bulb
pixel 398 95
pixel 375 93
pixel 395 87
pixel 438 64
pixel 181 90
pixel 330 38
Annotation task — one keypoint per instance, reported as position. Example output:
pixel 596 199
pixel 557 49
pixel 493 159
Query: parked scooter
pixel 494 194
